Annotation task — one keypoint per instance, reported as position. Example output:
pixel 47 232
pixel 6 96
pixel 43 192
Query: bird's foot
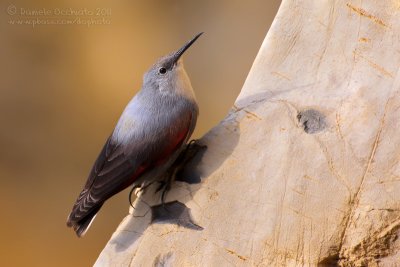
pixel 191 150
pixel 130 195
pixel 141 188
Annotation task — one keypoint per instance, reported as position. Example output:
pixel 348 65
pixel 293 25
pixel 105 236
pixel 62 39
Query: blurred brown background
pixel 63 87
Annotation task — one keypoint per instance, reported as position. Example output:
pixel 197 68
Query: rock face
pixel 305 170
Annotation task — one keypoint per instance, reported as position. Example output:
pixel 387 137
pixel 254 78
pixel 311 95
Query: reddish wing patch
pixel 174 144
pixel 139 171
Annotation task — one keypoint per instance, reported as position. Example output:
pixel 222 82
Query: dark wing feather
pixel 115 169
pixel 111 169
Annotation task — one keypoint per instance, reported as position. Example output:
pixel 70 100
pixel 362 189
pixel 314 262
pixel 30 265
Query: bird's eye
pixel 162 70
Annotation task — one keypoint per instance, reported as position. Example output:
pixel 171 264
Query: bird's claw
pixel 190 151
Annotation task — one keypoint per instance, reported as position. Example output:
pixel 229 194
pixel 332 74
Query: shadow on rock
pixel 220 142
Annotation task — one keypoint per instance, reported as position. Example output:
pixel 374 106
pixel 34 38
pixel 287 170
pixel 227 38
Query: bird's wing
pixel 119 165
pixel 111 168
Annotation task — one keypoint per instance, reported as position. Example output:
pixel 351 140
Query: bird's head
pixel 168 75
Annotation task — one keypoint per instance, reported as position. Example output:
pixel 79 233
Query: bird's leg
pixel 170 179
pixel 141 189
pixel 144 187
pixel 130 195
pixel 191 150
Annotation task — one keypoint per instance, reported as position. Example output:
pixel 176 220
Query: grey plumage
pixel 151 132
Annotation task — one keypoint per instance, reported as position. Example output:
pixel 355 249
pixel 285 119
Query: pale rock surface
pixel 305 169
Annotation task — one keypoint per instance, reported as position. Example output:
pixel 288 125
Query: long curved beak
pixel 182 50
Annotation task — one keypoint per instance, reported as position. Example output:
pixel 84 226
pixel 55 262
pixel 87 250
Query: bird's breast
pixel 182 84
pixel 125 128
pixel 152 118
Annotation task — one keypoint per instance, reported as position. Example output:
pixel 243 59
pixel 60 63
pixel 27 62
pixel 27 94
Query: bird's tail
pixel 80 227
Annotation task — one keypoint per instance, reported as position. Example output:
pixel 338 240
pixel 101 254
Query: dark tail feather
pixel 83 225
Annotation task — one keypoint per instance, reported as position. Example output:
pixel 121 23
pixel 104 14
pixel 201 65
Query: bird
pixel 151 132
